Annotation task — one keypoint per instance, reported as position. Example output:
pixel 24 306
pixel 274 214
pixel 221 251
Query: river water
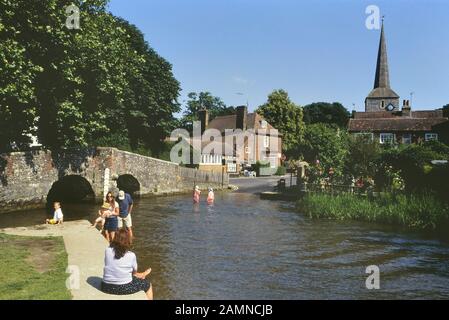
pixel 246 248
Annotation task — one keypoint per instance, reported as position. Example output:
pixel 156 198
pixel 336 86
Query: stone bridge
pixel 32 179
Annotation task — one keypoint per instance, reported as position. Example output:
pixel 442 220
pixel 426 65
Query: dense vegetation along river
pixel 245 248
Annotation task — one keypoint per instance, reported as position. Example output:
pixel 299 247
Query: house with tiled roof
pixel 246 139
pixel 386 121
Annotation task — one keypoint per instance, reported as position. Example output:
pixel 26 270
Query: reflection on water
pixel 244 248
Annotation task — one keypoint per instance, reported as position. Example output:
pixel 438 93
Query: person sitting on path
pixel 58 217
pixel 196 195
pixel 120 274
pixel 125 207
pixel 210 196
pixel 111 221
pixel 102 213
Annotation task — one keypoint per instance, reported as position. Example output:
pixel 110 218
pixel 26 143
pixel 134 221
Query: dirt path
pixel 85 248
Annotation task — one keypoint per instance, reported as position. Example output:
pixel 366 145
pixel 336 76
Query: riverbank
pixel 85 254
pixel 415 211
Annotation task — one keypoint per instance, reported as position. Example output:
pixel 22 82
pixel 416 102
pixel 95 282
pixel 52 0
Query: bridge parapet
pixel 30 179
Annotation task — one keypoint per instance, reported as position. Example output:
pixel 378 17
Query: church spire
pixel 382 75
pixel 382 97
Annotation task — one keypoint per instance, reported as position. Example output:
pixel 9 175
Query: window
pixel 231 167
pixel 407 138
pixel 431 136
pixel 263 124
pixel 386 138
pixel 211 159
pixel 266 141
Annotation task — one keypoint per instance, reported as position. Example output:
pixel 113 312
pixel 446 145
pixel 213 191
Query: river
pixel 246 248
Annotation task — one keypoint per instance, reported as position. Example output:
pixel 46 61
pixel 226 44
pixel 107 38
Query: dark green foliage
pixel 414 163
pixel 286 117
pixel 203 100
pixel 326 144
pixel 363 155
pixel 73 87
pixel 323 112
pixel 446 110
pixel 281 170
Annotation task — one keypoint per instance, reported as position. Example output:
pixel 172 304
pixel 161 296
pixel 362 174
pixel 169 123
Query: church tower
pixel 382 97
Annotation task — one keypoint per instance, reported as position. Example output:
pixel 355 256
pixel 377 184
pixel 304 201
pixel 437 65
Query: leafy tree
pixel 17 100
pixel 203 100
pixel 446 110
pixel 363 155
pixel 286 117
pixel 152 94
pixel 326 144
pixel 323 112
pixel 73 87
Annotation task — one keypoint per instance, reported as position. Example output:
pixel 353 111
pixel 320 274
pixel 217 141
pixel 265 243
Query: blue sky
pixel 317 50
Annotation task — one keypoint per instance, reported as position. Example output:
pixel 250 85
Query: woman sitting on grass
pixel 120 274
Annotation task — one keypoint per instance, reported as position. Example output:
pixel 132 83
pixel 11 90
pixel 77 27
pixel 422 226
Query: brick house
pixel 401 126
pixel 246 139
pixel 383 118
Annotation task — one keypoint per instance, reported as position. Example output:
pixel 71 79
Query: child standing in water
pixel 196 195
pixel 58 217
pixel 210 196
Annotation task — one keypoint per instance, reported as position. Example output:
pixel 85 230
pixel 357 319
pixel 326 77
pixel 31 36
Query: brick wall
pixel 27 177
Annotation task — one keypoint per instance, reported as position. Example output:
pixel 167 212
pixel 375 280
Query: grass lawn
pixel 33 268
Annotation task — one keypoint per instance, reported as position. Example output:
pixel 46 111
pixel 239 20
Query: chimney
pixel 406 110
pixel 203 115
pixel 241 116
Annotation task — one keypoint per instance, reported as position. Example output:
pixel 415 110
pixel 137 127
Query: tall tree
pixel 324 143
pixel 330 113
pixel 203 100
pixel 363 155
pixel 152 94
pixel 286 117
pixel 76 86
pixel 446 110
pixel 17 74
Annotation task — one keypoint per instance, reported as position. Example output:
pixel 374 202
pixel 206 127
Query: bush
pixel 414 164
pixel 281 170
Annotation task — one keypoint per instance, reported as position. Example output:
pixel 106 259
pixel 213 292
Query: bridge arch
pixel 129 184
pixel 70 189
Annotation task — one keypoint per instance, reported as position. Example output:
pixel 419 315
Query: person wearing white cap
pixel 126 206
